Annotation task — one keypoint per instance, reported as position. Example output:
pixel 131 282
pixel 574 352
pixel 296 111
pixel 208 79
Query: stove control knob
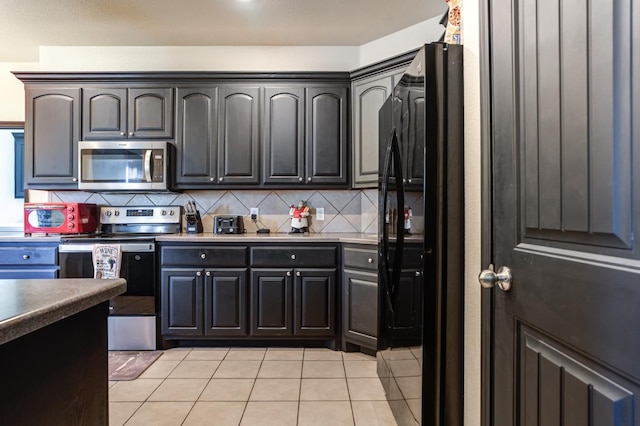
pixel 116 213
pixel 171 212
pixel 107 213
pixel 71 225
pixel 163 212
pixel 71 209
pixel 71 217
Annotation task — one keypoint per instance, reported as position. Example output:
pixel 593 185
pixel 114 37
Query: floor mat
pixel 128 365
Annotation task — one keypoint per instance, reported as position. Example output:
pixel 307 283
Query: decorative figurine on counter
pixel 407 219
pixel 299 221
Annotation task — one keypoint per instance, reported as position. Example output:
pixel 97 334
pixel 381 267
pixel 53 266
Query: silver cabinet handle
pixel 300 178
pixel 370 260
pixel 288 273
pixel 198 274
pixel 25 256
pixel 203 255
pixel 74 179
pixel 309 179
pixel 418 273
pixel 130 133
pixel 122 133
pixel 220 179
pixel 293 257
pixel 297 273
pixel 212 179
pixel 208 273
pixel 488 278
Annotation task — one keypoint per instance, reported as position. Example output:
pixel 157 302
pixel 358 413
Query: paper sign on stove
pixel 106 261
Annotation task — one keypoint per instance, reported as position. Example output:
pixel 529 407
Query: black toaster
pixel 228 225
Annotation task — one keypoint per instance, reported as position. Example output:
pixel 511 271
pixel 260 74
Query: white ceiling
pixel 27 24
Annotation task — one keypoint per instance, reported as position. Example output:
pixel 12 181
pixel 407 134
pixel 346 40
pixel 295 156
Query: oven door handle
pixel 88 248
pixel 147 165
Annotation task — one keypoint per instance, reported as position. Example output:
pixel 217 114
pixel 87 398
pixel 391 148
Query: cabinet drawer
pixel 28 256
pixel 362 258
pixel 204 256
pixel 293 256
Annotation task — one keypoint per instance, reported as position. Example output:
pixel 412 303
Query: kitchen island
pixel 53 350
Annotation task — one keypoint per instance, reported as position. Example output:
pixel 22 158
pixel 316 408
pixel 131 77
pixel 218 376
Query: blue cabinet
pixel 28 260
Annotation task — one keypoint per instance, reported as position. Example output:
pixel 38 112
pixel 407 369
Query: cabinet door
pixel 104 113
pixel 225 302
pixel 271 301
pixel 360 307
pixel 196 135
pixel 238 137
pixel 181 301
pixel 51 137
pixel 150 113
pixel 284 135
pixel 327 135
pixel 407 306
pixel 368 96
pixel 314 301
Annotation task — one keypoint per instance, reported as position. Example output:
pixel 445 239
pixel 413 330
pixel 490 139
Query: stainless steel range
pixel 132 321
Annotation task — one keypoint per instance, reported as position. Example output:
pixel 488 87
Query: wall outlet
pixel 319 213
pixel 253 211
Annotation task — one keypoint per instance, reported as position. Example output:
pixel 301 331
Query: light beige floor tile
pixel 322 369
pixel 207 354
pixel 403 353
pixel 402 413
pixel 276 390
pixel 112 382
pixel 324 390
pixel 366 389
pixel 357 356
pixel 237 370
pixel 372 413
pixel 284 354
pixel 245 354
pixel 160 414
pixel 120 412
pixel 175 354
pixel 159 369
pixel 415 405
pixel 215 414
pixel 405 367
pixel 179 390
pixel 280 370
pixel 322 354
pixel 227 390
pixel 319 413
pixel 282 413
pixel 411 387
pixel 133 390
pixel 194 370
pixel 361 368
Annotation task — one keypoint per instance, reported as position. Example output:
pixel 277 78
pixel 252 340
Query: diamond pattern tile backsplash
pixel 344 210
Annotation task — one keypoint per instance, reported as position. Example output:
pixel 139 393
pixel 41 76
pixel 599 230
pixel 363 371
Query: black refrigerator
pixel 421 240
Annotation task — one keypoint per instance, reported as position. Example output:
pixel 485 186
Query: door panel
pixel 564 91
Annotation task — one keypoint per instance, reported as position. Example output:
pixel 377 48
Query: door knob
pixel 488 278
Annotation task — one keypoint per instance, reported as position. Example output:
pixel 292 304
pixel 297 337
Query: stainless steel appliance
pixel 132 322
pixel 60 218
pixel 420 336
pixel 228 225
pixel 123 165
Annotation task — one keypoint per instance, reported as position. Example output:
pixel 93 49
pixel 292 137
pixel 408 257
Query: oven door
pixel 132 320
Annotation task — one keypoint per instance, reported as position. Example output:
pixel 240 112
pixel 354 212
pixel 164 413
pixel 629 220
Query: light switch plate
pixel 320 213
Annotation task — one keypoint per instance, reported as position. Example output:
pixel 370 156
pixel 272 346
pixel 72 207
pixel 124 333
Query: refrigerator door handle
pixel 398 255
pixel 384 251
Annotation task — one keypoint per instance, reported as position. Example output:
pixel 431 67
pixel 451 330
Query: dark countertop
pixel 28 305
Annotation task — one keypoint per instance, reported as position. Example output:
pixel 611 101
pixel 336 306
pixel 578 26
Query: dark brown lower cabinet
pixel 197 302
pixel 360 308
pixel 293 302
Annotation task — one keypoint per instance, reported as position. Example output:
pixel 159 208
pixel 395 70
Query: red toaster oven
pixel 60 218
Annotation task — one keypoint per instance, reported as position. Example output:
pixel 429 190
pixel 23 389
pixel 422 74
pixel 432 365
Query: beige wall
pixel 12 90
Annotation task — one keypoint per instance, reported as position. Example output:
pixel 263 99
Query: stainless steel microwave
pixel 123 165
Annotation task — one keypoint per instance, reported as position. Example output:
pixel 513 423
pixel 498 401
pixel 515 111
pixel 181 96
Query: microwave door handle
pixel 147 165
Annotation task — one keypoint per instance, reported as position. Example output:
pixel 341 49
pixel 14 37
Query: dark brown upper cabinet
pixel 127 113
